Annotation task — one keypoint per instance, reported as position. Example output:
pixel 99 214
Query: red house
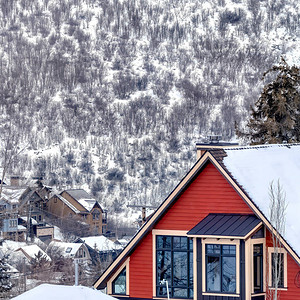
pixel 211 238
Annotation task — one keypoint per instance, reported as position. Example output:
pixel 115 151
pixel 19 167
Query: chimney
pixel 15 180
pixel 214 142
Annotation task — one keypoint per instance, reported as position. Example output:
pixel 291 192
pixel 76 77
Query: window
pixel 174 263
pixel 119 284
pixel 220 268
pixel 69 249
pixel 277 268
pixel 96 214
pixel 258 268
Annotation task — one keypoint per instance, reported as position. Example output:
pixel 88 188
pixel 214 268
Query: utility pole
pixel 76 271
pixel 24 272
pixel 143 210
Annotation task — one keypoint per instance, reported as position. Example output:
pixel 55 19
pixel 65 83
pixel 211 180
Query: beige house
pixel 78 203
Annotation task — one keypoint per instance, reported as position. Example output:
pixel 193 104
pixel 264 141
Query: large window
pixel 220 268
pixel 258 268
pixel 119 284
pixel 174 263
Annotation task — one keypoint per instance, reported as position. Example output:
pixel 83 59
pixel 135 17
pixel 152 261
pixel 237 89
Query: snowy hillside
pixel 112 96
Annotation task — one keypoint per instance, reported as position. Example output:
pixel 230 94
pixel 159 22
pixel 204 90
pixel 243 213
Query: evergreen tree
pixel 275 117
pixel 5 280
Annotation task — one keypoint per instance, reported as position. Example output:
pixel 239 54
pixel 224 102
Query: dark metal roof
pixel 225 225
pixel 79 194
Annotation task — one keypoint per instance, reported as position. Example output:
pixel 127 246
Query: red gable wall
pixel 209 193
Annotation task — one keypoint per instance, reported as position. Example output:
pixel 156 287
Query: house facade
pixel 79 204
pixel 210 239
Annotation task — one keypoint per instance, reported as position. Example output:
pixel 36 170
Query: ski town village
pixel 228 230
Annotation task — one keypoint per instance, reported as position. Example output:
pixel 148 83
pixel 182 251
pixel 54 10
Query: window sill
pixel 164 298
pixel 279 289
pixel 220 294
pixel 119 295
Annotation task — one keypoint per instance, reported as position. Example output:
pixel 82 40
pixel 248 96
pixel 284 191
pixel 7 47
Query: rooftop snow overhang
pixel 226 225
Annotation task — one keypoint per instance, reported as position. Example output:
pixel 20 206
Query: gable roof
pixel 67 249
pixel 217 158
pixel 83 198
pixel 254 168
pixel 101 243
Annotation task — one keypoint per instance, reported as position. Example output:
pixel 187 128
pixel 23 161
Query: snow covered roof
pixel 82 197
pixel 88 204
pixel 62 292
pixel 68 249
pixel 12 194
pixel 255 167
pixel 33 221
pixel 30 251
pixel 101 242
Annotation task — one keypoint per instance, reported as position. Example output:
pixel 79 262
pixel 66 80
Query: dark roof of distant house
pixel 79 194
pixel 226 225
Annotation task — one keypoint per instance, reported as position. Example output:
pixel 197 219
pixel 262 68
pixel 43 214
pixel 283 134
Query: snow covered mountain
pixel 112 95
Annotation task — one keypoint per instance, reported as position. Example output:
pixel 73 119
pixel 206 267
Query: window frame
pixel 262 267
pixel 271 250
pixel 221 241
pixel 110 281
pixel 189 286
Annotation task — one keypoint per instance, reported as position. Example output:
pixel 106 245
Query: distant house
pixel 32 251
pixel 78 203
pixel 11 229
pixel 71 250
pixel 101 247
pixel 9 200
pixel 210 239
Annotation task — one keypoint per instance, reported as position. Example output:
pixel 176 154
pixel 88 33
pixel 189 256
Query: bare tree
pixel 277 210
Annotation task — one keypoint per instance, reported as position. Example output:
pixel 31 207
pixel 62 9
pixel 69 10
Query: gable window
pixel 277 268
pixel 119 284
pixel 174 263
pixel 96 214
pixel 258 268
pixel 220 268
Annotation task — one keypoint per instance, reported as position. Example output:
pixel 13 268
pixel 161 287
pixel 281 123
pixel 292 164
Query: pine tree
pixel 275 117
pixel 5 280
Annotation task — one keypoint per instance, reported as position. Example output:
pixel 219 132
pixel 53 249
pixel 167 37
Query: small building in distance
pixel 79 204
pixel 70 250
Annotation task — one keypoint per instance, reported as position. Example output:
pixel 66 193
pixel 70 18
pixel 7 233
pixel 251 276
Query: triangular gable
pixel 173 196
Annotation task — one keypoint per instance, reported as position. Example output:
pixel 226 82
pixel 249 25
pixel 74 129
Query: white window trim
pixel 252 243
pixel 110 281
pixel 281 250
pixel 237 257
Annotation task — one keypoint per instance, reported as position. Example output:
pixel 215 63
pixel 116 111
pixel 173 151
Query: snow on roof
pixel 101 242
pixel 12 194
pixel 68 249
pixel 33 221
pixel 32 251
pixel 62 292
pixel 255 167
pixel 68 204
pixel 88 204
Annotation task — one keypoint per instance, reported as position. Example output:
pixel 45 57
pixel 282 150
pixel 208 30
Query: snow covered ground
pixel 62 292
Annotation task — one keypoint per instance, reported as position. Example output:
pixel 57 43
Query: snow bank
pixel 62 292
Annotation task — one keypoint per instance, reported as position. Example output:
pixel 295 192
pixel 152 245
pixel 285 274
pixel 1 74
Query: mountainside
pixel 112 96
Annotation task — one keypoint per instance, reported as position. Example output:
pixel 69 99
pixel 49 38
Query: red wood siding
pixel 140 270
pixel 293 292
pixel 209 193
